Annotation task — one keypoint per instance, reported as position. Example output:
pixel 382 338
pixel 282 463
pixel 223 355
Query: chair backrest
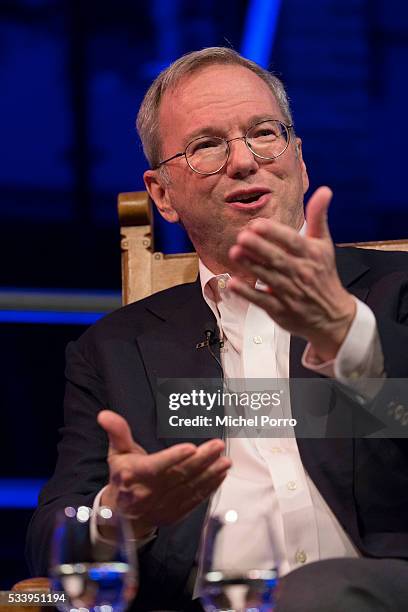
pixel 146 271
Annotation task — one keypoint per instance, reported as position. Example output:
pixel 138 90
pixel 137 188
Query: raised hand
pixel 304 294
pixel 163 487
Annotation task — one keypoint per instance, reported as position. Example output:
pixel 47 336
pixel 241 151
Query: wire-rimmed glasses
pixel 209 154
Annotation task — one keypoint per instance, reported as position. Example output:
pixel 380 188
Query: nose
pixel 241 161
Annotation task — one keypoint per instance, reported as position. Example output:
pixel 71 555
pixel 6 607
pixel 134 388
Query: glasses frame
pixel 288 129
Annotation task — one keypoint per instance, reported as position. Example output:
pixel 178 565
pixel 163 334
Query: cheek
pixel 204 191
pixel 190 184
pixel 296 176
pixel 275 170
pixel 191 199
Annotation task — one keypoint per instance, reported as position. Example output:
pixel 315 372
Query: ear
pixel 299 155
pixel 158 190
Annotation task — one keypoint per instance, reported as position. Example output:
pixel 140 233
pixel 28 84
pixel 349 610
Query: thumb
pixel 119 434
pixel 316 213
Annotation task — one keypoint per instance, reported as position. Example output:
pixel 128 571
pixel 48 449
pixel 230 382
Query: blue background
pixel 72 74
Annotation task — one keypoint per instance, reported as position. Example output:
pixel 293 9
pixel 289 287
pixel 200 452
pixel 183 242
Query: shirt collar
pixel 208 285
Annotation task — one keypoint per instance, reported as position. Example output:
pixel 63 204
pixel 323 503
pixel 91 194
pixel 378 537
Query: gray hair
pixel 147 122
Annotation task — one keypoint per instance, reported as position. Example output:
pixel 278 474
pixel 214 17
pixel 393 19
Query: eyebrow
pixel 213 131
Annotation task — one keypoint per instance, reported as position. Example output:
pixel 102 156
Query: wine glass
pixel 97 577
pixel 239 564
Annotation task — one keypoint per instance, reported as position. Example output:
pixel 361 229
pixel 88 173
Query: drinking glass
pixel 95 577
pixel 239 564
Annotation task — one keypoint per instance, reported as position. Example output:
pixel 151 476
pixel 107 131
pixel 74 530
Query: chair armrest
pixel 33 584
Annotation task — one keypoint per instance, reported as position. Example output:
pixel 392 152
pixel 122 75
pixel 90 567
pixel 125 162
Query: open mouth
pixel 247 198
pixel 250 198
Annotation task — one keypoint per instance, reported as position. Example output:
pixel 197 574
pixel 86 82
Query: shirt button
pixel 276 449
pixel 301 556
pixel 291 485
pixel 222 283
pixel 257 339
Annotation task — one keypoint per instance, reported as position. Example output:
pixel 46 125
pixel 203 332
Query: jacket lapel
pixel 329 461
pixel 169 352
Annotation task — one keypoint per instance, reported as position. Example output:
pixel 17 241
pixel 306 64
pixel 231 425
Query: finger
pixel 277 283
pixel 280 282
pixel 119 434
pixel 206 455
pixel 316 213
pixel 164 497
pixel 169 470
pixel 134 469
pixel 260 250
pixel 279 234
pixel 159 463
pixel 263 299
pixel 215 470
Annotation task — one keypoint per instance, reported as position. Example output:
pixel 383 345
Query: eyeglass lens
pixel 267 140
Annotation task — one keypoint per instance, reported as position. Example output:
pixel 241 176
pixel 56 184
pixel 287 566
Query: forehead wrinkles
pixel 223 86
pixel 224 91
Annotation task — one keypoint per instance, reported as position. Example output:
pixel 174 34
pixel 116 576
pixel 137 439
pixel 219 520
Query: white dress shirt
pixel 267 476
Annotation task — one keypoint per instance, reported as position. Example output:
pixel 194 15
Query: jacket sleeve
pixel 81 469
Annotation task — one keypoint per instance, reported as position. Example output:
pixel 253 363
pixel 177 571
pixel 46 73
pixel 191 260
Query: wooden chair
pixel 146 271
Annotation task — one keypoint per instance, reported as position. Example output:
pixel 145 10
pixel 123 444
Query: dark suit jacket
pixel 115 364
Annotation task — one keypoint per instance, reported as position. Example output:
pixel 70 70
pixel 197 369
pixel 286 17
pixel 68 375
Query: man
pixel 226 163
